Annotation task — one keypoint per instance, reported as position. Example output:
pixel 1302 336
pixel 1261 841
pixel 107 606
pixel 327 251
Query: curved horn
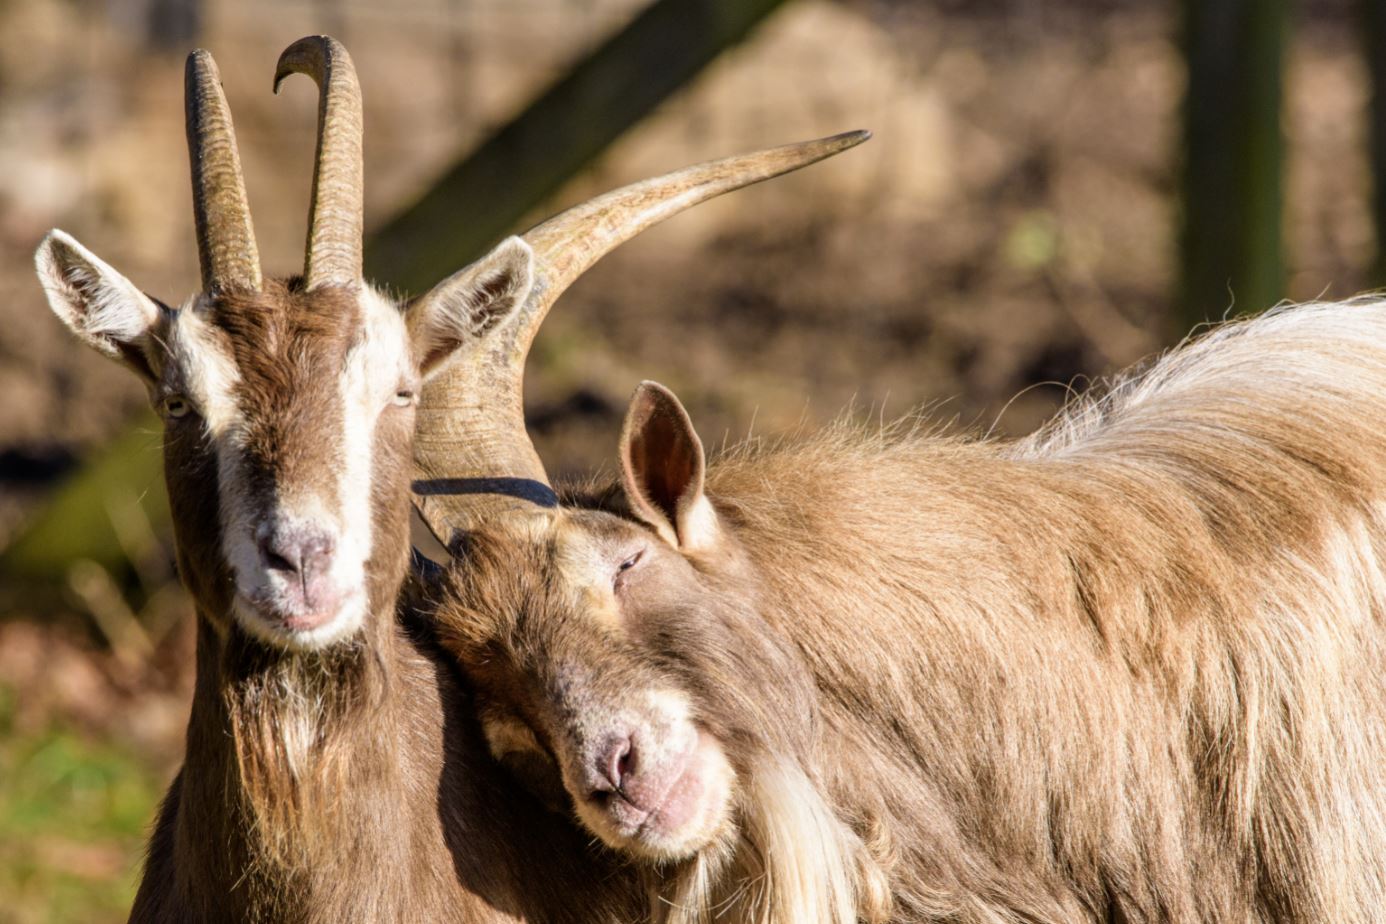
pixel 225 237
pixel 335 217
pixel 473 457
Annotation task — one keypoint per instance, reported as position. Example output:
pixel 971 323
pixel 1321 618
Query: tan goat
pixel 1128 669
pixel 333 770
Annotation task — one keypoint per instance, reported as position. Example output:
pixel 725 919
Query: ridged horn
pixel 473 457
pixel 335 217
pixel 225 238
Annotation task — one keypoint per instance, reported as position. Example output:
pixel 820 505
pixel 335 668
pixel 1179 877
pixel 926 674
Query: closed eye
pixel 629 563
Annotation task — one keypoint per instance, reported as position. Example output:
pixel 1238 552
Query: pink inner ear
pixel 662 457
pixel 668 468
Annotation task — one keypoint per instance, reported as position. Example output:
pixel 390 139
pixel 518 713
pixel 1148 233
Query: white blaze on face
pixel 337 504
pixel 375 368
pixel 206 368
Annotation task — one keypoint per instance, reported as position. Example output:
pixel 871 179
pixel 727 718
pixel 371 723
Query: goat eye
pixel 626 566
pixel 404 397
pixel 176 406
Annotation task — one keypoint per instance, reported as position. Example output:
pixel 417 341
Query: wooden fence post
pixel 1232 185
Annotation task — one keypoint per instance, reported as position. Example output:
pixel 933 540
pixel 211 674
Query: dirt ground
pixel 1009 233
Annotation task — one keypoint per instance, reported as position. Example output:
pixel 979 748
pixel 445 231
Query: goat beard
pixel 787 858
pixel 290 715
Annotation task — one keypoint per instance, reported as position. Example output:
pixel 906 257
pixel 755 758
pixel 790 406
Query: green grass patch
pixel 73 818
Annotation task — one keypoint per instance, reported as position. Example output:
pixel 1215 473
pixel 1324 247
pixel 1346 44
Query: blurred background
pixel 1056 189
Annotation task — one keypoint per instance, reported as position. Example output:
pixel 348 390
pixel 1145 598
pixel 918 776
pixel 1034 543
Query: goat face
pixel 288 422
pixel 625 669
pixel 304 404
pixel 578 641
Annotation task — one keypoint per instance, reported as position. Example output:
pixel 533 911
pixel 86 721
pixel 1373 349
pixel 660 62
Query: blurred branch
pixel 472 205
pixel 138 539
pixel 103 600
pixel 484 196
pixel 76 522
pixel 1233 157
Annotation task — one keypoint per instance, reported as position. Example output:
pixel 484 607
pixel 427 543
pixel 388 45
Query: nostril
pixel 279 556
pixel 297 554
pixel 616 764
pixel 625 764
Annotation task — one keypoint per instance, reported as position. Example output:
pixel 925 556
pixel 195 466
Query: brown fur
pixel 1129 669
pixel 344 784
pixel 290 348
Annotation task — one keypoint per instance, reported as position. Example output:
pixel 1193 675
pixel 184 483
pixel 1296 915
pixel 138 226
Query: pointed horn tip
pixel 293 60
pixel 811 152
pixel 845 140
pixel 308 56
pixel 803 153
pixel 200 61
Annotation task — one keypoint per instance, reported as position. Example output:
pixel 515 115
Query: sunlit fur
pixel 294 388
pixel 556 657
pixel 1128 669
pixel 285 389
pixel 332 775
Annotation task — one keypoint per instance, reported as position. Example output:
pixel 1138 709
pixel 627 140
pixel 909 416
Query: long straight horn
pixel 335 217
pixel 225 238
pixel 473 455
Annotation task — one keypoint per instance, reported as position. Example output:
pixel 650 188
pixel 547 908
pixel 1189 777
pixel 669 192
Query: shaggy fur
pixel 543 664
pixel 1128 669
pixel 344 784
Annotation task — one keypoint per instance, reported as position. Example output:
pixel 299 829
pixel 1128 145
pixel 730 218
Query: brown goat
pixel 1128 669
pixel 333 771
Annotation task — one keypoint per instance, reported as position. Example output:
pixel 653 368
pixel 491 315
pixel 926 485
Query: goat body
pixel 332 772
pixel 1129 668
pixel 307 796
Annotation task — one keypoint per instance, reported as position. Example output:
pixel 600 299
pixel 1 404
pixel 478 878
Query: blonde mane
pixel 1131 664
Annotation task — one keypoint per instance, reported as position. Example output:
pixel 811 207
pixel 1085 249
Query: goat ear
pixel 662 467
pixel 98 304
pixel 470 303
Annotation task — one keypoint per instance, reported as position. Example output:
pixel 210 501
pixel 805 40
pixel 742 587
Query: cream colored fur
pixel 1132 668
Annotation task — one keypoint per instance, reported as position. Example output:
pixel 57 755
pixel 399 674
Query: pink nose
pixel 297 552
pixel 630 777
pixel 615 764
pixel 304 558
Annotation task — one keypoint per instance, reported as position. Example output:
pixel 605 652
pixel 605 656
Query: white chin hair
pixel 344 624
